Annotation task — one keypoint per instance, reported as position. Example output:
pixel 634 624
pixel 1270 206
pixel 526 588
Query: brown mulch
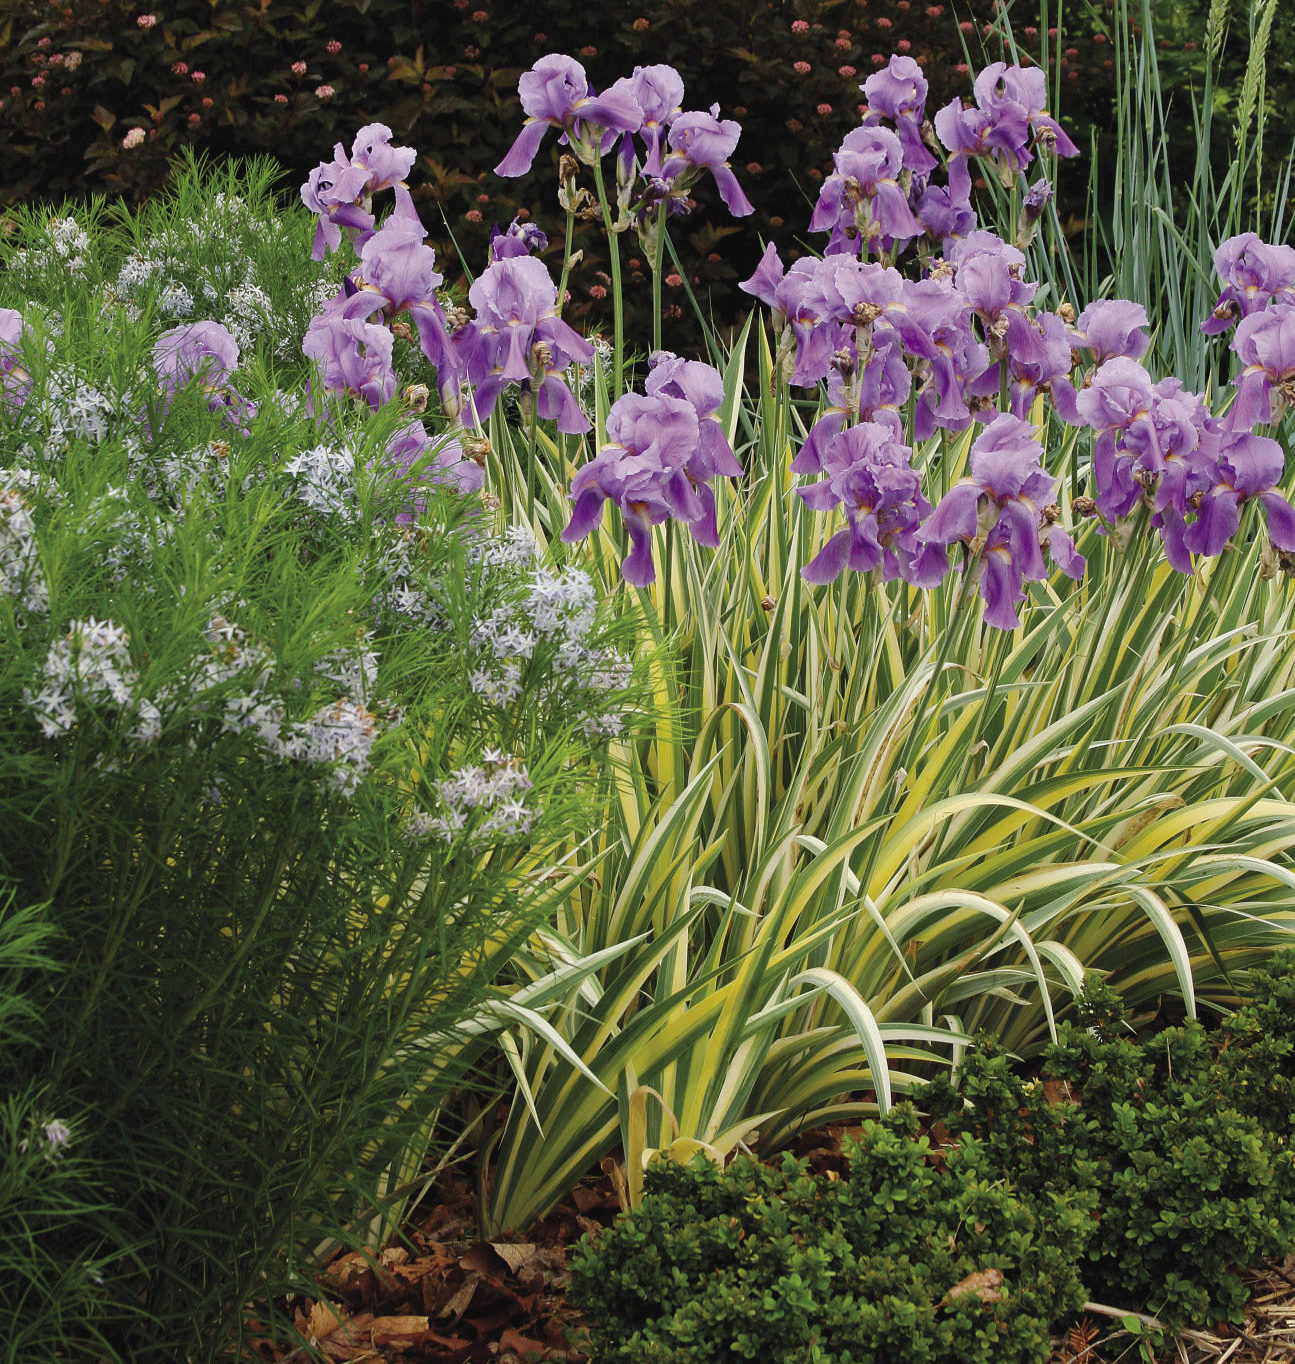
pixel 451 1298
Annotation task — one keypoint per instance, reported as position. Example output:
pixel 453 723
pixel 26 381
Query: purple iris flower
pixel 1007 120
pixel 207 353
pixel 1117 406
pixel 954 363
pixel 1255 274
pixel 1246 466
pixel 704 141
pixel 1265 345
pixel 658 93
pixel 523 238
pixel 1113 326
pixel 643 470
pixel 946 216
pixel 386 166
pixel 861 203
pixel 406 457
pixel 988 274
pixel 556 93
pixel 808 298
pixel 15 382
pixel 202 350
pixel 517 337
pixel 898 92
pixel 332 192
pixel 398 274
pixel 354 356
pixel 1038 354
pixel 768 275
pixel 868 471
pixel 1000 513
pixel 1108 329
pixel 1178 467
pixel 339 191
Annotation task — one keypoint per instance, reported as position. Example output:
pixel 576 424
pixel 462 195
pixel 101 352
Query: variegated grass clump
pixel 868 825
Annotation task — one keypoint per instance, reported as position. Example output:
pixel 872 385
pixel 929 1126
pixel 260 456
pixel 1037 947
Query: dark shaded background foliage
pixel 217 75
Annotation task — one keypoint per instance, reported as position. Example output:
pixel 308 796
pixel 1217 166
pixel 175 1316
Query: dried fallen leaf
pixel 323 1320
pixel 984 1283
pixel 515 1255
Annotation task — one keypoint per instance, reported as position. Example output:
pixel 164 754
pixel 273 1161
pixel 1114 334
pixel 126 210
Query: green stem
pixel 532 426
pixel 658 265
pixel 618 303
pixel 566 263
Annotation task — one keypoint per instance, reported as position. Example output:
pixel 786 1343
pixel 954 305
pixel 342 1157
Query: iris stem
pixel 532 427
pixel 658 265
pixel 618 303
pixel 566 262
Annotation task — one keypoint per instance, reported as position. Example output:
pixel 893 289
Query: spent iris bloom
pixel 517 337
pixel 1265 345
pixel 867 471
pixel 555 93
pixel 1255 274
pixel 1000 514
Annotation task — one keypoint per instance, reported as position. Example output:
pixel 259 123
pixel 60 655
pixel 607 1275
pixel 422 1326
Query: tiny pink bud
pixel 197 77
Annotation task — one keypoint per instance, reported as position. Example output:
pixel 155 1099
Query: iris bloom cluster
pixel 955 343
pixel 663 449
pixel 678 145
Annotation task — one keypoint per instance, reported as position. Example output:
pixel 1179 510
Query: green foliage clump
pixel 1187 1187
pixel 913 1254
pixel 291 736
pixel 1256 1048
